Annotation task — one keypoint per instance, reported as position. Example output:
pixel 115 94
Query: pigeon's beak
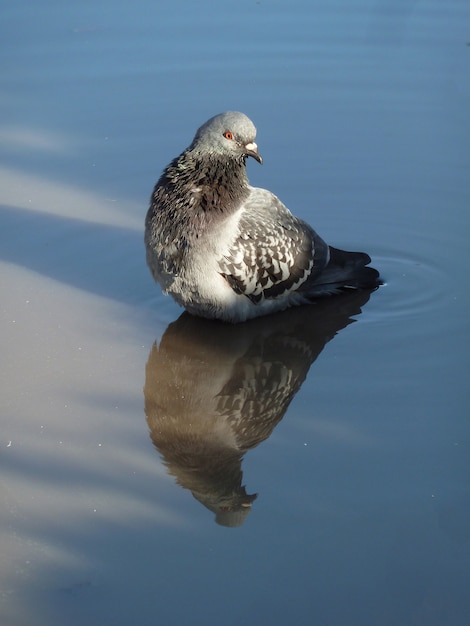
pixel 252 150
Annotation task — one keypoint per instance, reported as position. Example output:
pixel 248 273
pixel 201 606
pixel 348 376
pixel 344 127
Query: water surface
pixel 133 440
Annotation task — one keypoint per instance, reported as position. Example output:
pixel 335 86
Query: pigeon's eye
pixel 228 135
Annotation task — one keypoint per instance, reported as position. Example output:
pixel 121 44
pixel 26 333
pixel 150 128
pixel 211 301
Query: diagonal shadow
pixel 99 258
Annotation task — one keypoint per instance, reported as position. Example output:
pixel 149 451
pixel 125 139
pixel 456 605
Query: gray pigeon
pixel 226 250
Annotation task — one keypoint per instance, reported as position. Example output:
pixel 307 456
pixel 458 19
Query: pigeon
pixel 226 250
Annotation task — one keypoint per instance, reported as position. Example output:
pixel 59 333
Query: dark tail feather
pixel 345 270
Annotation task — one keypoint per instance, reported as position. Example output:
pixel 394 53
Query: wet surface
pixel 135 438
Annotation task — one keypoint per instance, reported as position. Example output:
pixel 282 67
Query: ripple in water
pixel 412 287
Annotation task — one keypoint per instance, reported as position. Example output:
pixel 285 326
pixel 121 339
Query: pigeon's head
pixel 229 134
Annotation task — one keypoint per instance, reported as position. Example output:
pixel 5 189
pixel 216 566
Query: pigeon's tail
pixel 345 270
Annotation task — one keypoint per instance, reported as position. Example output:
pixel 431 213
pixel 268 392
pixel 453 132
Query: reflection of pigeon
pixel 226 250
pixel 213 391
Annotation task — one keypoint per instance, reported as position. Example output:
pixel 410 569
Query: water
pixel 131 445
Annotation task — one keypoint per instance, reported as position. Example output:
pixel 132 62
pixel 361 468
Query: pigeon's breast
pixel 200 280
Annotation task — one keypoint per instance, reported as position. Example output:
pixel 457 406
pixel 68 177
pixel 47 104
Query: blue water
pixel 127 458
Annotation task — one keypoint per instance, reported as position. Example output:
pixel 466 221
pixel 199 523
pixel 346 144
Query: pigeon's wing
pixel 274 252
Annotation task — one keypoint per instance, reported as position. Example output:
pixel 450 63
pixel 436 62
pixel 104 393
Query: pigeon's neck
pixel 194 192
pixel 221 183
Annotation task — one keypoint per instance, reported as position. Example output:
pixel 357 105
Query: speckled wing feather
pixel 274 253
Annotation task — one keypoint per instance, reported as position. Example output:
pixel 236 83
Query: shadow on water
pixel 213 391
pixel 102 259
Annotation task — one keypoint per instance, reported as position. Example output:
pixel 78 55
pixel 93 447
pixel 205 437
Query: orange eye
pixel 228 135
